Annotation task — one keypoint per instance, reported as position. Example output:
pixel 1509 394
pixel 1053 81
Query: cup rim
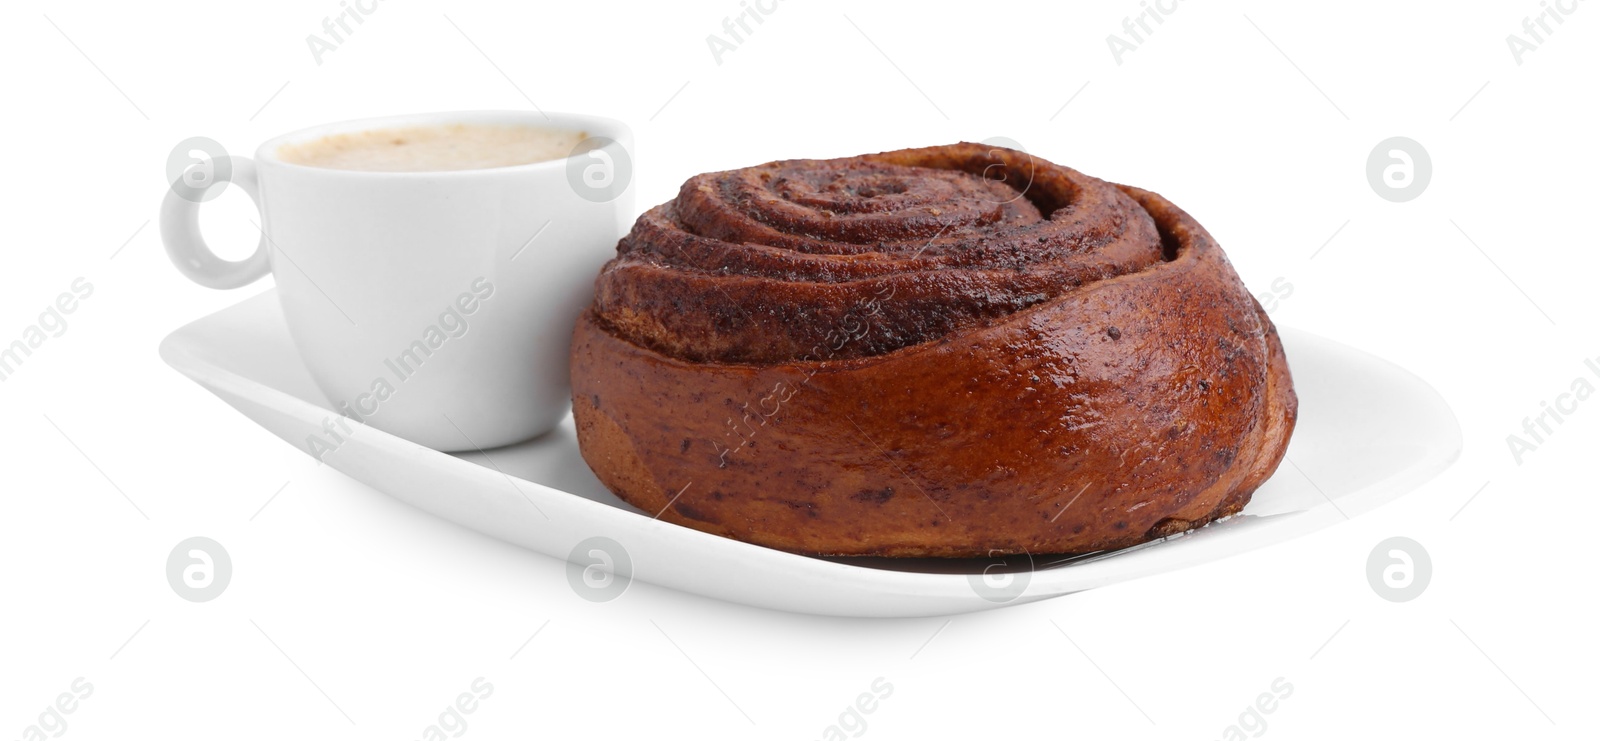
pixel 590 124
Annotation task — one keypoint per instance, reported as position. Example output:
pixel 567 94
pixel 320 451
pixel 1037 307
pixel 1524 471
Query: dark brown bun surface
pixel 948 351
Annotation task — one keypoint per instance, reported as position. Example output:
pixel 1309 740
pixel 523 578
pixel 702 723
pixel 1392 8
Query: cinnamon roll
pixel 949 351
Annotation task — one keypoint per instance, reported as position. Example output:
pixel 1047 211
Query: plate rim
pixel 177 351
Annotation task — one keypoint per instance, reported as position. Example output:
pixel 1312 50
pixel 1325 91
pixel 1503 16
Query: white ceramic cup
pixel 437 306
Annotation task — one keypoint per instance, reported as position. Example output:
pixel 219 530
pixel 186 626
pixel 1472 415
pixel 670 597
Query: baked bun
pixel 948 351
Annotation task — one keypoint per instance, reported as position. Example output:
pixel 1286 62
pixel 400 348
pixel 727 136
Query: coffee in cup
pixel 459 146
pixel 431 267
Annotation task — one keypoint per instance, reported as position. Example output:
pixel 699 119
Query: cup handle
pixel 180 232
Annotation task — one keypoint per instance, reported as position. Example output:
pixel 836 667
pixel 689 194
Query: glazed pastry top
pixel 778 262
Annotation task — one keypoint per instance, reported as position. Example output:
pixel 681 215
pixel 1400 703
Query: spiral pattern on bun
pixel 954 350
pixel 775 257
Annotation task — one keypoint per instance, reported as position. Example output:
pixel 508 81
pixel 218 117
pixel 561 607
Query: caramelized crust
pixel 949 351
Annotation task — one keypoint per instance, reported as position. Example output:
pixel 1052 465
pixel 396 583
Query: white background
pixel 352 616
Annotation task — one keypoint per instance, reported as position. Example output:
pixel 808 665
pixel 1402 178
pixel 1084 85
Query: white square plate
pixel 1368 432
